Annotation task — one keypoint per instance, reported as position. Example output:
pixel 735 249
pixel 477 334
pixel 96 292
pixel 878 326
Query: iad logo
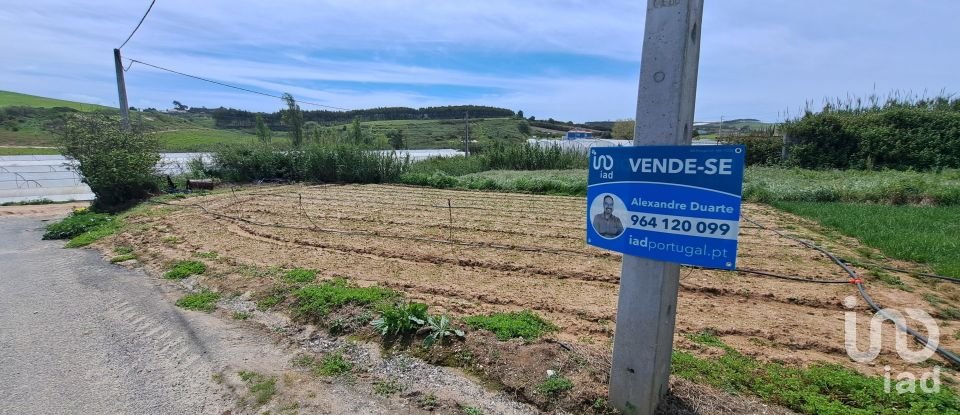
pixel 929 382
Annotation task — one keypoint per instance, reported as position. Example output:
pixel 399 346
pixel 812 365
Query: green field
pixel 27 151
pixel 771 184
pixel 201 139
pixel 10 99
pixel 923 234
pixel 420 134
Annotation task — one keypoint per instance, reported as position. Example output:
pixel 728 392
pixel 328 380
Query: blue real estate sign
pixel 669 203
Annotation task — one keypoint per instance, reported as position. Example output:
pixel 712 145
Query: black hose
pixel 950 356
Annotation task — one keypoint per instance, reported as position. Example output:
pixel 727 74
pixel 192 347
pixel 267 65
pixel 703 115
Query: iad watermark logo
pixel 905 382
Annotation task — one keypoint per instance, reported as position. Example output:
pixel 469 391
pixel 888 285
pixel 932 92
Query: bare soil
pixel 467 253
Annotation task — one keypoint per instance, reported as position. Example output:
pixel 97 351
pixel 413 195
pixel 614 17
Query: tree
pixel 118 165
pixel 179 107
pixel 356 133
pixel 524 127
pixel 263 132
pixel 293 117
pixel 396 139
pixel 623 129
pixel 520 114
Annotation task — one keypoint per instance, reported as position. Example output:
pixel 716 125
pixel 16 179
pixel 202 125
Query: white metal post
pixel 646 310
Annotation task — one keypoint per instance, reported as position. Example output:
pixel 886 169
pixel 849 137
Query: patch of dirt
pixel 47 210
pixel 467 253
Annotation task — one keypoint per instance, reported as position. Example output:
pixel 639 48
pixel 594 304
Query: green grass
pixel 27 151
pixel 770 184
pixel 77 224
pixel 9 99
pixel 448 133
pixel 554 386
pixel 184 269
pixel 523 324
pixel 314 302
pixel 924 234
pixel 201 139
pixel 241 315
pixel 301 275
pixel 262 388
pixel 816 389
pixel 204 300
pixel 333 364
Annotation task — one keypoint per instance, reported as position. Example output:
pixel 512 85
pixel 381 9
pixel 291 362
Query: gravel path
pixel 78 335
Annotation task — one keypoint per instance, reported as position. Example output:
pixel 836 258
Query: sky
pixel 568 60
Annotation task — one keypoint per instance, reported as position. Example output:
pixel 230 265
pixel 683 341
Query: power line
pixel 138 24
pixel 132 61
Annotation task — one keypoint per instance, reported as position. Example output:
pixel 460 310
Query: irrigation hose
pixel 855 279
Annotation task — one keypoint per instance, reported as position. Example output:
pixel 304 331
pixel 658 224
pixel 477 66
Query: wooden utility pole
pixel 646 310
pixel 122 91
pixel 466 133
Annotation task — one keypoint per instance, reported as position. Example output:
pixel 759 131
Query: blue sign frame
pixel 668 203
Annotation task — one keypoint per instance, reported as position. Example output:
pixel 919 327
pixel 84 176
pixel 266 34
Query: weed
pixel 171 240
pixel 122 258
pixel 387 387
pixel 314 302
pixel 554 386
pixel 77 224
pixel 333 364
pixel 261 387
pixel 429 401
pixel 217 378
pixel 204 300
pixel 301 275
pixel 707 338
pixel 184 269
pixel 241 315
pixel 471 410
pixel 949 313
pixel 269 301
pixel 123 250
pixel 814 389
pixel 524 324
pixel 401 319
pixel 206 255
pixel 439 330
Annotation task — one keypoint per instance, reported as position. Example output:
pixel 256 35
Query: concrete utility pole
pixel 466 133
pixel 646 310
pixel 122 91
pixel 720 130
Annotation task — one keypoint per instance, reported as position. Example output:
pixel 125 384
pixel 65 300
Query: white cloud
pixel 758 58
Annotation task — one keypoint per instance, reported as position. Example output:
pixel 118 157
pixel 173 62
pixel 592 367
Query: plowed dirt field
pixel 469 253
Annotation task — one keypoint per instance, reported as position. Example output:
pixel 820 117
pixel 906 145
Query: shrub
pixel 204 300
pixel 117 164
pixel 184 269
pixel 325 163
pixel 920 134
pixel 761 150
pixel 524 324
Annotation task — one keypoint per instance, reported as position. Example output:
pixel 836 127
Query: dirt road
pixel 79 335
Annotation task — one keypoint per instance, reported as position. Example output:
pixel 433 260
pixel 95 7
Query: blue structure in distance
pixel 668 203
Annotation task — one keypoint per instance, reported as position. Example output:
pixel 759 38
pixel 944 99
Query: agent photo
pixel 606 220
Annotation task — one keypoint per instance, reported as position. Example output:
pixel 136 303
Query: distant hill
pixel 27 120
pixel 12 99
